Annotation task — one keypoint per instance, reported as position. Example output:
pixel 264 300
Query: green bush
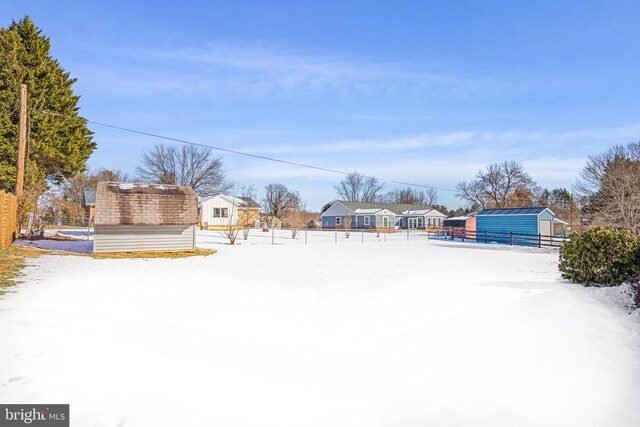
pixel 600 256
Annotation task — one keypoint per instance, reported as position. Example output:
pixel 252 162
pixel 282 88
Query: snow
pixel 395 333
pixel 77 246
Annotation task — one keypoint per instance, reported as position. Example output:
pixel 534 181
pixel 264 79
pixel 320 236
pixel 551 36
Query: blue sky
pixel 425 92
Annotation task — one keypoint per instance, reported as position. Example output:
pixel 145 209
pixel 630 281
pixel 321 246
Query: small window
pixel 385 221
pixel 338 220
pixel 224 212
pixel 216 212
pixel 367 220
pixel 419 222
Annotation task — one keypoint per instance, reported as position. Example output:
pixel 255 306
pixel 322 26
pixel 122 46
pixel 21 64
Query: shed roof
pixel 88 197
pixel 512 211
pixel 145 204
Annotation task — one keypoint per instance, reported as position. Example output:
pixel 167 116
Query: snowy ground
pixel 378 333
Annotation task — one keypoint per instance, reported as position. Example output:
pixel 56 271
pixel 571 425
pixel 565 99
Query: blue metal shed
pixel 514 225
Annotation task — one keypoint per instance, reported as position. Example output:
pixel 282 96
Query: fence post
pixel 511 238
pixel 272 235
pixel 485 236
pixel 464 232
pixel 539 240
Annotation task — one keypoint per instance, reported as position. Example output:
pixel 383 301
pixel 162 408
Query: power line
pixel 227 150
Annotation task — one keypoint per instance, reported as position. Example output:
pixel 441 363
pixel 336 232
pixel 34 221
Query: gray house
pixel 380 216
pixel 144 217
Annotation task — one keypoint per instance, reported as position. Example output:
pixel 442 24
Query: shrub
pixel 600 256
pixel 634 287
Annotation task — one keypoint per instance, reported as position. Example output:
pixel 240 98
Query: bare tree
pixel 231 228
pixel 249 191
pixel 346 225
pixel 73 188
pixel 409 196
pixel 610 185
pixel 278 201
pixel 295 217
pixel 357 187
pixel 431 196
pixel 187 165
pixel 500 185
pixel 473 193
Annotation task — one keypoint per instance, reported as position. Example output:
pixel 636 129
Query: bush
pixel 600 256
pixel 634 287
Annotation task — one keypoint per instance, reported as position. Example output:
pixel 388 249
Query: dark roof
pixel 88 197
pixel 145 204
pixel 512 211
pixel 396 208
pixel 250 202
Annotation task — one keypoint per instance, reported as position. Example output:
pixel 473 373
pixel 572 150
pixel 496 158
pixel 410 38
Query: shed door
pixel 545 227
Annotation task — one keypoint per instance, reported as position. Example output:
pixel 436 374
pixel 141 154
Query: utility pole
pixel 22 141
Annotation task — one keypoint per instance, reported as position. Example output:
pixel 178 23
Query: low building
pixel 222 211
pixel 144 217
pixel 461 226
pixel 517 225
pixel 89 204
pixel 380 216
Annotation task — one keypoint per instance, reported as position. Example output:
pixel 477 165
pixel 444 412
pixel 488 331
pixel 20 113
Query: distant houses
pixel 222 211
pixel 380 216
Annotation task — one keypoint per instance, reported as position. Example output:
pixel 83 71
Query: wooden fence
pixel 8 218
pixel 505 238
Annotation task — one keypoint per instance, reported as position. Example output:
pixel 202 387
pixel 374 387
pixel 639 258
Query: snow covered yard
pixel 391 333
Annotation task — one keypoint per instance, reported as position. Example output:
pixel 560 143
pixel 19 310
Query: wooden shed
pixel 144 217
pixel 461 226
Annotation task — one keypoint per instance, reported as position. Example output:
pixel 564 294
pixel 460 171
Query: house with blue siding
pixel 380 216
pixel 510 225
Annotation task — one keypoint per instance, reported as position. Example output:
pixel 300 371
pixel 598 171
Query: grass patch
pixel 12 261
pixel 153 254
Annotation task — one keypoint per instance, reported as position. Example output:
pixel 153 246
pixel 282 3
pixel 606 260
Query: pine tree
pixel 58 144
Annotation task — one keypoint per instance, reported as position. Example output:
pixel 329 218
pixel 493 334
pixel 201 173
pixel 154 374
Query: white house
pixel 220 211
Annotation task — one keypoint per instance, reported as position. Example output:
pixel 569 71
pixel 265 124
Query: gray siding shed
pixel 144 217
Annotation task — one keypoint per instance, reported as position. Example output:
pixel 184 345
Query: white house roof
pixel 238 201
pixel 417 212
pixel 368 211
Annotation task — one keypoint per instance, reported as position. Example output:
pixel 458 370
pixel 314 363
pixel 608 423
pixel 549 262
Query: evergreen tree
pixel 59 143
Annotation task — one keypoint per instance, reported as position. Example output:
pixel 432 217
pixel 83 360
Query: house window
pixel 216 212
pixel 367 220
pixel 338 220
pixel 224 212
pixel 419 221
pixel 385 221
pixel 429 222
